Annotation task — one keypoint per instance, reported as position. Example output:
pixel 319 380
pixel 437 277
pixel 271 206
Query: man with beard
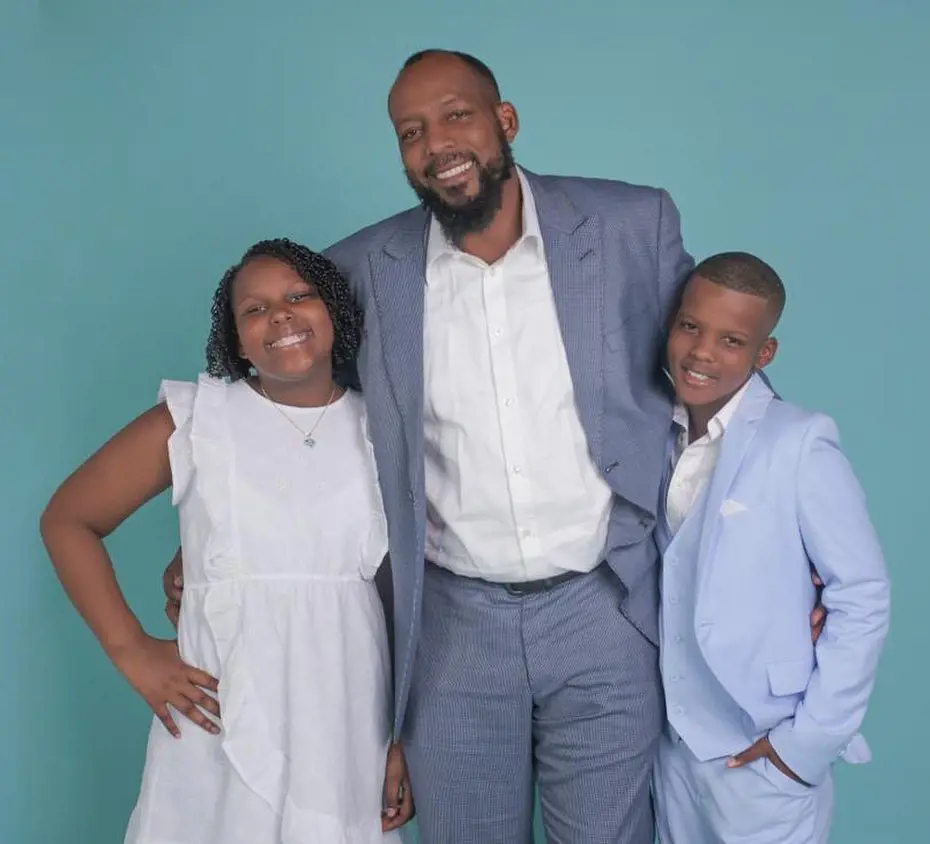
pixel 511 371
pixel 512 376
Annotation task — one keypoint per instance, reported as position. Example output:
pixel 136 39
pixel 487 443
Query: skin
pixel 724 335
pixel 270 302
pixel 444 114
pixel 285 332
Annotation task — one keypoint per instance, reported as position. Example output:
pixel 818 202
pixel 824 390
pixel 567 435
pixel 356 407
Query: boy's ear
pixel 766 353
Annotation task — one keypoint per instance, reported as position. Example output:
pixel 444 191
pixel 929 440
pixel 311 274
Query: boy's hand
pixel 763 749
pixel 172 581
pixel 398 796
pixel 156 671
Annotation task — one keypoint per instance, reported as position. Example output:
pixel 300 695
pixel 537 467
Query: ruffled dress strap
pixel 179 397
pixel 375 544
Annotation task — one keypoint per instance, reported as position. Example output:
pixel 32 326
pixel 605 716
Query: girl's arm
pixel 130 470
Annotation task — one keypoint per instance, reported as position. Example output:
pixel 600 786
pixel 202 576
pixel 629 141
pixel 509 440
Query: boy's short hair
pixel 744 273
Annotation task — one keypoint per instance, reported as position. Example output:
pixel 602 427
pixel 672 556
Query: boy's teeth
pixel 698 375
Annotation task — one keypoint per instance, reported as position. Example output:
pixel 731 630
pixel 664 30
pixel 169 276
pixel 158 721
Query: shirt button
pixel 498 332
pixel 525 534
pixel 680 710
pixel 508 403
pixel 674 678
pixel 673 600
pixel 678 639
pixel 516 470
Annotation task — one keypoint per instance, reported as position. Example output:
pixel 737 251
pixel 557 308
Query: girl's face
pixel 284 328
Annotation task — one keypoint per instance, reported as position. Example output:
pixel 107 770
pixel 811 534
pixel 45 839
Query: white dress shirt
pixel 512 492
pixel 695 463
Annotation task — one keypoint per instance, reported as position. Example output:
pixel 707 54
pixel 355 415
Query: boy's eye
pixel 733 342
pixel 686 325
pixel 408 135
pixel 458 114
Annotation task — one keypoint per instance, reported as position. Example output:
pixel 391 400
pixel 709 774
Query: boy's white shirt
pixel 694 463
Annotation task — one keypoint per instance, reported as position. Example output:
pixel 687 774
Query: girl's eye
pixel 305 294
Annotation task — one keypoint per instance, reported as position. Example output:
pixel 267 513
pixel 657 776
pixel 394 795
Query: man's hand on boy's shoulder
pixel 819 613
pixel 762 749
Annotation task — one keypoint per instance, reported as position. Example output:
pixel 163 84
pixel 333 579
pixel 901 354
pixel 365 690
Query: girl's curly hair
pixel 223 360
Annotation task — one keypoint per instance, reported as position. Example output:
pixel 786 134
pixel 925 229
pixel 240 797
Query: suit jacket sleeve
pixel 843 547
pixel 673 261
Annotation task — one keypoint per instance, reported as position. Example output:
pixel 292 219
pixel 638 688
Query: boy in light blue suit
pixel 757 493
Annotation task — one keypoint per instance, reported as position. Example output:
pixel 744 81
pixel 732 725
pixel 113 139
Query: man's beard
pixel 476 214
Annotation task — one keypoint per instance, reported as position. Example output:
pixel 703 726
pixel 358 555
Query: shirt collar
pixel 439 246
pixel 721 419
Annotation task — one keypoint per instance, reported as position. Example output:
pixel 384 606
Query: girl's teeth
pixel 290 340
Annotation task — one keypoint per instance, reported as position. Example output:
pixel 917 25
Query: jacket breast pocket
pixel 790 677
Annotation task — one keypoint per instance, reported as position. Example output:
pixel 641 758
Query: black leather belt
pixel 523 587
pixel 530 587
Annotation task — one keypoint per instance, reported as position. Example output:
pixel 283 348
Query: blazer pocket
pixel 789 678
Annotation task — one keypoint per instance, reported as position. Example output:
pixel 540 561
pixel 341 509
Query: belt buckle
pixel 516 589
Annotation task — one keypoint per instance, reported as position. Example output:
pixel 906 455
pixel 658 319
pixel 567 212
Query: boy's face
pixel 717 338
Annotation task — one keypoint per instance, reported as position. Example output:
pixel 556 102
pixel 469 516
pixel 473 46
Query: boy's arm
pixel 844 550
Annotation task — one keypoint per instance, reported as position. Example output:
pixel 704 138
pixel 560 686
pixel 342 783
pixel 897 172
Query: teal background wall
pixel 144 146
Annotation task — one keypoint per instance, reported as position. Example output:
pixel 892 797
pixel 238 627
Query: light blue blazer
pixel 784 498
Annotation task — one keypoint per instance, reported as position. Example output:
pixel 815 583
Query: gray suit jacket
pixel 616 261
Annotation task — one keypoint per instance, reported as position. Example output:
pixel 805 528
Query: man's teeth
pixel 290 340
pixel 455 171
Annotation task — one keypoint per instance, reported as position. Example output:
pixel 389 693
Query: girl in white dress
pixel 282 530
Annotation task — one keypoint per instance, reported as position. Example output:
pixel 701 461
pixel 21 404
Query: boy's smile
pixel 717 338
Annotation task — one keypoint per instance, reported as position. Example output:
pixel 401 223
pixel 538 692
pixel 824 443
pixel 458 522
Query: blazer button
pixel 410 495
pixel 611 467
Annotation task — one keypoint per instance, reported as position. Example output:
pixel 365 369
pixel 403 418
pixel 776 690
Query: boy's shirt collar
pixel 717 425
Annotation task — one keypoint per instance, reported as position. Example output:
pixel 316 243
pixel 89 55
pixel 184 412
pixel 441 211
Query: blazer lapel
pixel 573 251
pixel 736 441
pixel 398 289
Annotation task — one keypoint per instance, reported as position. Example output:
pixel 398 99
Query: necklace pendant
pixel 309 441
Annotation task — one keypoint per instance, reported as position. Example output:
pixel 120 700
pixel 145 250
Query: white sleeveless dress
pixel 280 545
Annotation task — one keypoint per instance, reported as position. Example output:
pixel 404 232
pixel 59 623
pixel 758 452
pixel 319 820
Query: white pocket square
pixel 731 508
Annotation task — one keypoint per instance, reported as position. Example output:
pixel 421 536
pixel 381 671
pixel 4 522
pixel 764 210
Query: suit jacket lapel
pixel 573 251
pixel 736 441
pixel 397 283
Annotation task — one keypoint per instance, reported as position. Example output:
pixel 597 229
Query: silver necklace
pixel 309 441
